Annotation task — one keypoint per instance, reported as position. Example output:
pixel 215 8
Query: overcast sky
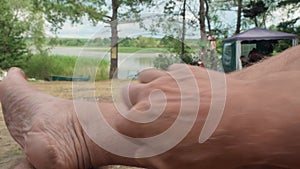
pixel 87 30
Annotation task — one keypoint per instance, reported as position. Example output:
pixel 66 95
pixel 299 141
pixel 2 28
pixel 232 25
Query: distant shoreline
pixel 107 49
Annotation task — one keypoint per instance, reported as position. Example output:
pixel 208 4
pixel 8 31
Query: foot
pixel 46 127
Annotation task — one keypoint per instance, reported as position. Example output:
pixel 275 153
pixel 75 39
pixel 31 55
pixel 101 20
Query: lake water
pixel 129 63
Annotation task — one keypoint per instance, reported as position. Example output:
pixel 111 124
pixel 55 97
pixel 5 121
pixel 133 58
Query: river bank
pixel 129 64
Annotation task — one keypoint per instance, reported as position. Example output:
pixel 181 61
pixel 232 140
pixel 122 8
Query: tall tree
pixel 57 12
pixel 203 19
pixel 172 10
pixel 183 29
pixel 203 38
pixel 239 16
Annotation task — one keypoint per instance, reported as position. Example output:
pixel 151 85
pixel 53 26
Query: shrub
pixel 163 61
pixel 39 67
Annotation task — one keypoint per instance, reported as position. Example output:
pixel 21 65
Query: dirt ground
pixel 11 153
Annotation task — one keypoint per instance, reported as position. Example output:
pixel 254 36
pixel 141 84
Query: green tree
pixel 146 42
pixel 13 48
pixel 205 19
pixel 173 45
pixel 289 27
pixel 110 12
pixel 127 42
pixel 22 29
pixel 255 9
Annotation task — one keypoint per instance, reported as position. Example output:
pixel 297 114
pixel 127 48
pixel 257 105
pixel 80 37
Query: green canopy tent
pixel 253 38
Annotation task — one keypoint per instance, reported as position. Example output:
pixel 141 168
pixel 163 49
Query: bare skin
pixel 47 128
pixel 259 127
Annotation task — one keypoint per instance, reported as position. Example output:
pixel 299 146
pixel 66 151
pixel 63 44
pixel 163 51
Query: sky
pixel 89 31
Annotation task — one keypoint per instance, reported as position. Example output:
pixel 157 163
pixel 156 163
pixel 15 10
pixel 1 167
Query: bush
pixel 163 61
pixel 43 66
pixel 39 67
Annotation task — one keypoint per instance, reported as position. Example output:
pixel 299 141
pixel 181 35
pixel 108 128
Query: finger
pixel 150 74
pixel 130 94
pixel 24 165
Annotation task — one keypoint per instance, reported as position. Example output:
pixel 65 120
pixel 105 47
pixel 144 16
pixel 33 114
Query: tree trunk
pixel 114 41
pixel 239 15
pixel 202 32
pixel 183 31
pixel 255 21
pixel 207 17
pixel 212 56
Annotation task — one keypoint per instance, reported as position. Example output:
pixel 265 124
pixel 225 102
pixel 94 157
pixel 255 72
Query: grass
pixel 42 67
pixel 68 65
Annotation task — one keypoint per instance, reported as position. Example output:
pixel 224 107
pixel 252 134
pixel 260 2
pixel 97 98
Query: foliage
pixel 163 61
pixel 143 50
pixel 43 66
pixel 57 12
pixel 99 42
pixel 289 27
pixel 26 20
pixel 79 42
pixel 174 46
pixel 13 48
pixel 255 9
pixel 19 22
pixel 67 42
pixel 141 42
pixel 294 3
pixel 39 67
pixel 125 44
